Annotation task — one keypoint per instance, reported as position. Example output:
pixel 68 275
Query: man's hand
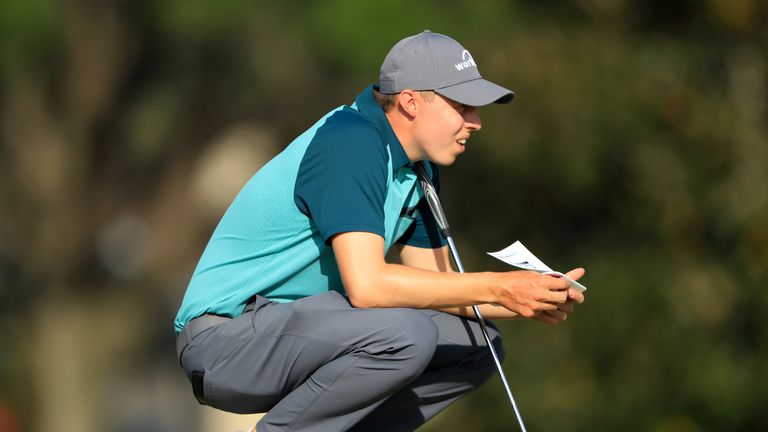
pixel 529 293
pixel 562 311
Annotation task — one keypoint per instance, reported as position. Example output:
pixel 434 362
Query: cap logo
pixel 466 61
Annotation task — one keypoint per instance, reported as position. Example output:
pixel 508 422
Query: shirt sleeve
pixel 425 232
pixel 341 183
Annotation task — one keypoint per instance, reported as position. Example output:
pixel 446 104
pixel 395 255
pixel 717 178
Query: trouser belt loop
pixel 187 337
pixel 196 326
pixel 252 304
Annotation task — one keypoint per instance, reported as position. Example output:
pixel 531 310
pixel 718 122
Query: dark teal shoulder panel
pixel 341 183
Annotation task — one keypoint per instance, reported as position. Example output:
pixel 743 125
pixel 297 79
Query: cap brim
pixel 477 92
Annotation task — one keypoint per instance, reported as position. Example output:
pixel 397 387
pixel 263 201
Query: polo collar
pixel 373 112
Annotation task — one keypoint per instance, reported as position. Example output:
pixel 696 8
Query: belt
pixel 196 326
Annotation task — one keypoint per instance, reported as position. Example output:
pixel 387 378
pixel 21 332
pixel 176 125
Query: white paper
pixel 519 256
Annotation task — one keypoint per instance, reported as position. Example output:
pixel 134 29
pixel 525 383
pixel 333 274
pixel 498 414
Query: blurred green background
pixel 637 147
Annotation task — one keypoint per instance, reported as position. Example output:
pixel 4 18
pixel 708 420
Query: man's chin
pixel 446 160
pixel 443 163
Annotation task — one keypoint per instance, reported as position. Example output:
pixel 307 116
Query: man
pixel 293 310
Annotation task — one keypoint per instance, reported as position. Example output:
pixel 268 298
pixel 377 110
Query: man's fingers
pixel 576 295
pixel 557 314
pixel 566 307
pixel 533 309
pixel 527 313
pixel 546 319
pixel 556 283
pixel 560 296
pixel 576 273
pixel 544 306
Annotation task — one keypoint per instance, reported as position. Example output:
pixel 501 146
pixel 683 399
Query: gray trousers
pixel 319 364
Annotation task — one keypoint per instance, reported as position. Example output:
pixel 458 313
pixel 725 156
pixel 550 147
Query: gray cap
pixel 432 61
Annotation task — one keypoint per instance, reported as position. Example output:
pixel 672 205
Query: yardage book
pixel 519 256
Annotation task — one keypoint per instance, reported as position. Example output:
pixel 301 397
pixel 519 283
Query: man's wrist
pixel 489 287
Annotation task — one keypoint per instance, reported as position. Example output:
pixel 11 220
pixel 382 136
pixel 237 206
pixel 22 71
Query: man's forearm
pixel 396 285
pixel 487 310
pixel 372 282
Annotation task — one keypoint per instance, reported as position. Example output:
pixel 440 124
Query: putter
pixel 437 210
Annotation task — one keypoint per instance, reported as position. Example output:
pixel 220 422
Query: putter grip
pixel 430 193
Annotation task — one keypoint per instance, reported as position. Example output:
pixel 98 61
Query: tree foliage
pixel 635 147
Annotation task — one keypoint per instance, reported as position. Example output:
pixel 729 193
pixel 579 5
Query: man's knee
pixel 416 329
pixel 411 337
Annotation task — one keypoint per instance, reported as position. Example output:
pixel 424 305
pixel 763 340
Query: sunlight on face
pixel 443 127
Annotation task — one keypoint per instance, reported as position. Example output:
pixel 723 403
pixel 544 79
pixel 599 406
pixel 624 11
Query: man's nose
pixel 472 118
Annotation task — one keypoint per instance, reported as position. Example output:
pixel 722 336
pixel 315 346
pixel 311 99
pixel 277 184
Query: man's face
pixel 443 127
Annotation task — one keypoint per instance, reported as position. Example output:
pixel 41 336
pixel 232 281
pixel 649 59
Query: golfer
pixel 293 310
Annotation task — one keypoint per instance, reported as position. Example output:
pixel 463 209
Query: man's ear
pixel 407 102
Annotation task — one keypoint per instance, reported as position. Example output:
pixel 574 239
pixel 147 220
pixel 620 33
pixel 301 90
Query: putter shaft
pixel 437 211
pixel 481 321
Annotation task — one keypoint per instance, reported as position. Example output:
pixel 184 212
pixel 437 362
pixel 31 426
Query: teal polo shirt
pixel 346 173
